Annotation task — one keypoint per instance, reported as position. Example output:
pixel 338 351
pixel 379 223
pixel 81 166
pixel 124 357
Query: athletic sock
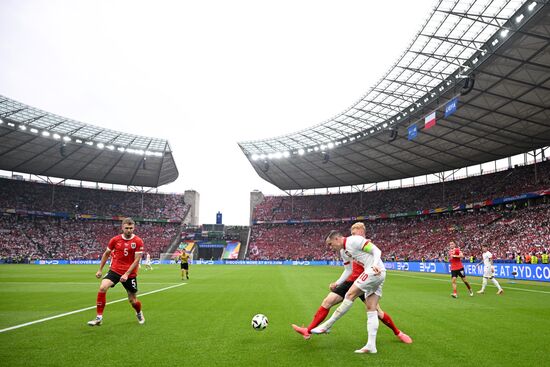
pixel 483 284
pixel 137 306
pixel 100 305
pixel 387 320
pixel 340 311
pixel 320 315
pixel 495 282
pixel 372 329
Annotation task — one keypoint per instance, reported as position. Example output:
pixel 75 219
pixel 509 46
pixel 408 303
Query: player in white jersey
pixel 488 271
pixel 338 290
pixel 368 283
pixel 148 262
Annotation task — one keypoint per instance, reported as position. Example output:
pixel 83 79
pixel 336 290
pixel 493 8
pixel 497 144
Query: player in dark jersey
pixel 457 269
pixel 184 264
pixel 125 250
pixel 340 287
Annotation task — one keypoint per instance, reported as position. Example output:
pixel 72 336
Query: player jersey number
pixel 125 252
pixel 364 277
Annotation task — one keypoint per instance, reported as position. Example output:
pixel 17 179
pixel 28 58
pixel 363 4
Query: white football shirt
pixel 365 253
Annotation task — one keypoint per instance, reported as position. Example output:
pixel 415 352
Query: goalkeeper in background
pixel 184 265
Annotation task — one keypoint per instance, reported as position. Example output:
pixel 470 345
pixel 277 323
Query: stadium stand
pixel 505 183
pixel 521 227
pixel 507 232
pixel 24 195
pixel 29 238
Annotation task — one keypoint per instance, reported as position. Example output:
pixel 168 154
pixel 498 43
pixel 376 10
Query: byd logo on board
pixel 428 267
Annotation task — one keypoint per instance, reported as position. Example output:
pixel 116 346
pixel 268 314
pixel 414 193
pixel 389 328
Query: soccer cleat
pixel 454 295
pixel 471 293
pixel 366 349
pixel 480 292
pixel 96 322
pixel 404 338
pixel 320 330
pixel 140 317
pixel 302 330
pixel 500 291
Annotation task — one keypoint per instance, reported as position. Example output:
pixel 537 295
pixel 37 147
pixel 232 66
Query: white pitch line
pixel 444 280
pixel 84 309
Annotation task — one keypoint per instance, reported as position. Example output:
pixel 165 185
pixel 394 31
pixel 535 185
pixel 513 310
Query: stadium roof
pixel 41 143
pixel 493 54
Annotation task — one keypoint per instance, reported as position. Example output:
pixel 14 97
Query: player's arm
pixel 132 267
pixel 371 248
pixel 104 258
pixel 345 274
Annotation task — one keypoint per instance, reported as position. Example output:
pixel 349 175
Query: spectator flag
pixel 413 132
pixel 450 107
pixel 429 120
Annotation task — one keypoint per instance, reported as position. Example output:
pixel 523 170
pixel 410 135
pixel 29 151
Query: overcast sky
pixel 202 74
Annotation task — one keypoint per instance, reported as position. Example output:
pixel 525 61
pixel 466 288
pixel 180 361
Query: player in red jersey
pixel 125 250
pixel 457 269
pixel 338 290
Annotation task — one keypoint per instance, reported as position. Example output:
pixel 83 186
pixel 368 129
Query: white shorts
pixel 370 283
pixel 488 273
pixel 148 263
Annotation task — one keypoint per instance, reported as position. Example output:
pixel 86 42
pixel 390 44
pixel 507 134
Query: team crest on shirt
pixel 133 245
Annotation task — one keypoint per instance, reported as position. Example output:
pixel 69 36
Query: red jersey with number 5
pixel 124 253
pixel 456 264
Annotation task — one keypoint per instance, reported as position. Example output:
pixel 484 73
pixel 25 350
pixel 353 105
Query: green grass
pixel 207 321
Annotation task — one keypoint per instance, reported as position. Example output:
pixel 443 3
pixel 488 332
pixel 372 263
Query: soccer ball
pixel 259 322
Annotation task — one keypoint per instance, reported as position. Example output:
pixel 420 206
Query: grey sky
pixel 203 74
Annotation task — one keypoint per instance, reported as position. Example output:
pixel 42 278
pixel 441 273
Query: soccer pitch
pixel 206 322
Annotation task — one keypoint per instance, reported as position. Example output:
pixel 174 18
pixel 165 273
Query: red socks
pixel 137 306
pixel 100 305
pixel 318 318
pixel 389 323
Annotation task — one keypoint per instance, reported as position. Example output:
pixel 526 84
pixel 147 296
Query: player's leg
pixel 453 282
pixel 483 285
pixel 344 307
pixel 330 300
pixel 495 282
pixel 373 289
pixel 388 321
pixel 101 299
pixel 182 271
pixel 132 289
pixel 463 277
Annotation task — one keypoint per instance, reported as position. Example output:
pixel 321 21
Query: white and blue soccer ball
pixel 259 322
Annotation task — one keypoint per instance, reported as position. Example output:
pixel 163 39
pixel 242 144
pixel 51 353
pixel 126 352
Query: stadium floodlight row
pixel 489 54
pixel 41 143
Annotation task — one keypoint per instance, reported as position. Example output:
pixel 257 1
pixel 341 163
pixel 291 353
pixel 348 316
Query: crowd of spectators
pixel 25 238
pixel 26 195
pixel 506 231
pixel 504 183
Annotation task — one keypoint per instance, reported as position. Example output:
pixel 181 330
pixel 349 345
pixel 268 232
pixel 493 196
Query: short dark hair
pixel 128 220
pixel 332 234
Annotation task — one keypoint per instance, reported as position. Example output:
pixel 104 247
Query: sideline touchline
pixel 445 280
pixel 84 309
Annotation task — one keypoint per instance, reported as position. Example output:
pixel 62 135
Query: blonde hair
pixel 359 226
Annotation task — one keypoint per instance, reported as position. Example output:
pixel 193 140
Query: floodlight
pixel 286 154
pixel 45 133
pixel 56 136
pixel 504 33
pixel 519 18
pixel 532 6
pixel 100 145
pixel 301 151
pixel 33 130
pixel 23 127
pixel 66 138
pixel 255 157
